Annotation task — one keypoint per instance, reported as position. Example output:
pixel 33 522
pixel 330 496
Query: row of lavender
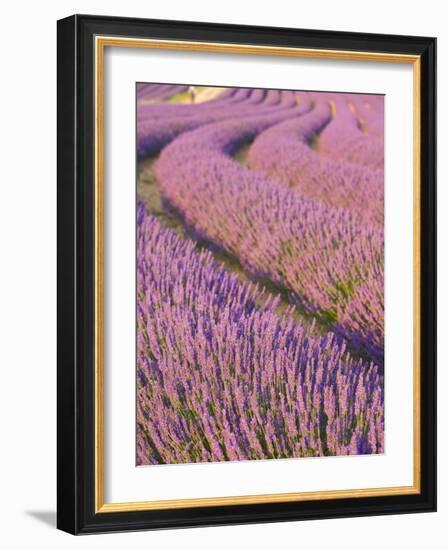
pixel 221 376
pixel 151 93
pixel 344 170
pixel 306 215
pixel 329 258
pixel 159 124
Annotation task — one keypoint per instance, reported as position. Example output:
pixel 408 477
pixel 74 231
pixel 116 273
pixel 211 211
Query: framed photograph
pixel 246 274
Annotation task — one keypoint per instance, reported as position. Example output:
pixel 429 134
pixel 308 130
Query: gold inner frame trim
pixel 101 42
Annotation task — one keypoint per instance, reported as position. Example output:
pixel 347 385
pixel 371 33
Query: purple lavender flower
pixel 224 370
pixel 220 371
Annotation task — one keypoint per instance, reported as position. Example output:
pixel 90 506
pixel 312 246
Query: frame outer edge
pixel 67 454
pixel 433 71
pixel 429 267
pixel 74 492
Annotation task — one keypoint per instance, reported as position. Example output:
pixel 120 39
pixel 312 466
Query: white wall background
pixel 28 272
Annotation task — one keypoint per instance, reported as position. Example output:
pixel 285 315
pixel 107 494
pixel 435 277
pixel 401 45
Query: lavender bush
pixel 221 376
pixel 322 254
pixel 285 153
pixel 157 127
pixel 345 138
pixel 260 319
pixel 157 92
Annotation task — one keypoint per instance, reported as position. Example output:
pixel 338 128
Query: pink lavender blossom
pixel 222 376
pixel 288 154
pixel 226 367
pixel 323 255
pixel 157 92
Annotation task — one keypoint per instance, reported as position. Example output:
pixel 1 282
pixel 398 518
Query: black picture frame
pixel 75 271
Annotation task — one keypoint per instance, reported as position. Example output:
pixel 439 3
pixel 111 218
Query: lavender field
pixel 260 274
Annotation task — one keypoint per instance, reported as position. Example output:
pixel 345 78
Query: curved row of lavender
pixel 335 169
pixel 157 92
pixel 329 258
pixel 303 215
pixel 222 376
pixel 345 138
pixel 369 111
pixel 159 125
